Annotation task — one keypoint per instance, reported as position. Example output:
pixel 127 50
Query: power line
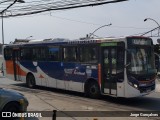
pixel 150 31
pixel 40 6
pixel 89 23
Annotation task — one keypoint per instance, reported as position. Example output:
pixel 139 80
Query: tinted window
pixel 39 54
pixel 70 54
pixel 88 54
pixel 53 54
pixel 120 59
pixel 26 54
pixel 8 54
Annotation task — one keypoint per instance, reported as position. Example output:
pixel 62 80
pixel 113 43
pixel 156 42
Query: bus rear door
pixel 16 64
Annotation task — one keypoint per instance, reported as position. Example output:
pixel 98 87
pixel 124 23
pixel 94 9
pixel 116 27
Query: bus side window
pixel 8 54
pixel 53 54
pixel 25 54
pixel 88 54
pixel 35 54
pixel 120 59
pixel 120 64
pixel 70 54
pixel 42 56
pixel 38 54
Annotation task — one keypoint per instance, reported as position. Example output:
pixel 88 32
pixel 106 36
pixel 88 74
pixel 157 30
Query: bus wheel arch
pixel 92 88
pixel 30 80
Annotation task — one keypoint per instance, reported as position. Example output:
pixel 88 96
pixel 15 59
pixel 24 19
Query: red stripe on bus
pixel 41 76
pixel 147 81
pixel 19 71
pixel 10 69
pixel 99 74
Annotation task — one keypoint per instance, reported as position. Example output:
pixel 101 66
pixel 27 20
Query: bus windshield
pixel 141 60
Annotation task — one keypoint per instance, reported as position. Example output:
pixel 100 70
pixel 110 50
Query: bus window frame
pixel 59 53
pixel 62 54
pixel 11 57
pixel 21 53
pixel 96 46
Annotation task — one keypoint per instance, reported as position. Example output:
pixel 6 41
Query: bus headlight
pixel 133 82
pixel 135 85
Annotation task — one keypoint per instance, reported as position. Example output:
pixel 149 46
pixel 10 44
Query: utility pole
pixel 153 29
pixel 2 12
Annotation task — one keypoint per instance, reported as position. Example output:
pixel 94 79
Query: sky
pixel 127 19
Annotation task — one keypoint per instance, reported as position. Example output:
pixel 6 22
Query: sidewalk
pixel 49 101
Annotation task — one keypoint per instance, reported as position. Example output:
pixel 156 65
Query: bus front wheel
pixel 31 81
pixel 93 90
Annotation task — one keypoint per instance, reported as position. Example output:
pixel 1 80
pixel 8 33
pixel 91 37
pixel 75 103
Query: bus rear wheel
pixel 93 90
pixel 30 81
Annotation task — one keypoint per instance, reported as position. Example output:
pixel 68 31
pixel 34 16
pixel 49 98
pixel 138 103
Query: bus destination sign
pixel 141 42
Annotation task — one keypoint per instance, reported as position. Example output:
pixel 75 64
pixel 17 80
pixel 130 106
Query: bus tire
pixel 30 81
pixel 93 90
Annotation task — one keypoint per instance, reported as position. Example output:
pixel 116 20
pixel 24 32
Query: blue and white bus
pixel 120 67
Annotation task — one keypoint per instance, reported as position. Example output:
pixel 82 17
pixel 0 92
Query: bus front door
pixel 16 66
pixel 109 80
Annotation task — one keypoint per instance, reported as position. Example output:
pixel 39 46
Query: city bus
pixel 118 67
pixel 1 64
pixel 157 59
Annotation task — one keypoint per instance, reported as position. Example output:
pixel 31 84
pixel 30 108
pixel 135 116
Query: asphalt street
pixel 48 99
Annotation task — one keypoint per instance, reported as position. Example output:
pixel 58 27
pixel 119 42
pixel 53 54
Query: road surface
pixel 49 99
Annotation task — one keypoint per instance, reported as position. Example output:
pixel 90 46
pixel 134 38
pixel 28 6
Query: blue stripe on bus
pixel 29 65
pixel 63 71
